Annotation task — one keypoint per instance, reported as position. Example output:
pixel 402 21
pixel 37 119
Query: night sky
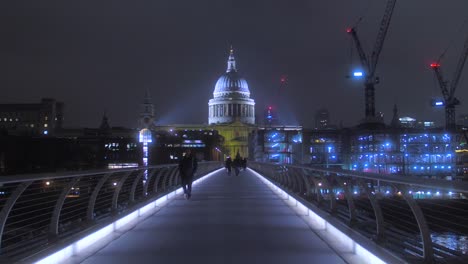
pixel 98 56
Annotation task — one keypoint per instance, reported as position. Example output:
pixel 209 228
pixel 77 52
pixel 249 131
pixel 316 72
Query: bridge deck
pixel 230 219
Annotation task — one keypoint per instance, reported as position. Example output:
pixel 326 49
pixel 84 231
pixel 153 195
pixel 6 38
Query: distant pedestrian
pixel 244 163
pixel 187 167
pixel 237 163
pixel 228 165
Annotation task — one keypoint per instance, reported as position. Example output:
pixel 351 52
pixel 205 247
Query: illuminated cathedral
pixel 231 111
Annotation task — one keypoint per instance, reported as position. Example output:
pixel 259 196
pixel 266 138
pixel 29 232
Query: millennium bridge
pixel 269 213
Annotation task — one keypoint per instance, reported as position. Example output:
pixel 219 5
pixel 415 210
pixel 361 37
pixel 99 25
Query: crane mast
pixel 370 64
pixel 450 101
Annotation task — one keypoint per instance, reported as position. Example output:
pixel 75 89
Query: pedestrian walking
pixel 228 165
pixel 187 167
pixel 244 163
pixel 237 163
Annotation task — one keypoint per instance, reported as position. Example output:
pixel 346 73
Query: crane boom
pixel 442 82
pixel 459 69
pixel 360 50
pixel 449 95
pixel 370 63
pixel 384 24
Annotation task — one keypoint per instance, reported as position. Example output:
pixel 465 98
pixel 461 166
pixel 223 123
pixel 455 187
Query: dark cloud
pixel 100 56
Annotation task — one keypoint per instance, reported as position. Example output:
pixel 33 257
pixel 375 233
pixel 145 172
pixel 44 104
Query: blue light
pixel 358 74
pixel 439 103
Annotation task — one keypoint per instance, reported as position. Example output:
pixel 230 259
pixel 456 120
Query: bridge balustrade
pixel 37 211
pixel 420 220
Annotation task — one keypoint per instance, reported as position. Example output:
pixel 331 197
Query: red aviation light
pixel 435 65
pixel 348 30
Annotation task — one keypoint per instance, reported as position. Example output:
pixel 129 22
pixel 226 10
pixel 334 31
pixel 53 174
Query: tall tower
pixel 146 112
pixel 231 100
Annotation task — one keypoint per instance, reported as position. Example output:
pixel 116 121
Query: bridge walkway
pixel 229 219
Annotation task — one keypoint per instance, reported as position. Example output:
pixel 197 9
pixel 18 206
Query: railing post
pixel 54 222
pixel 9 205
pixel 317 189
pixel 380 229
pixel 134 185
pixel 92 199
pixel 174 177
pixel 168 178
pixel 307 183
pixel 428 249
pixel 150 176
pixel 115 197
pixel 328 184
pixel 349 198
pixel 160 175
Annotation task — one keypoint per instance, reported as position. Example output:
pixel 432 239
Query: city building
pixel 322 119
pixel 32 119
pixel 171 141
pixel 278 144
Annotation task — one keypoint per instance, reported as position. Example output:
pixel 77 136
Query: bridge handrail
pixel 458 186
pixel 40 210
pixel 388 209
pixel 70 174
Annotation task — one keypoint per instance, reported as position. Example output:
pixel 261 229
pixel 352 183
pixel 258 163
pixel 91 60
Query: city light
pixel 358 74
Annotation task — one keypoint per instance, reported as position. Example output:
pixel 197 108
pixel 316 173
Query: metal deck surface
pixel 230 219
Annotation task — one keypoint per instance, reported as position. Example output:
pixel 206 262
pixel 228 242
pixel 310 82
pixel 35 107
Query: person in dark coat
pixel 228 165
pixel 237 163
pixel 187 167
pixel 244 163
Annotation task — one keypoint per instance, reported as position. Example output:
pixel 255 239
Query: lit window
pixel 32 125
pixel 46 118
pixel 4 119
pixel 45 125
pixel 16 119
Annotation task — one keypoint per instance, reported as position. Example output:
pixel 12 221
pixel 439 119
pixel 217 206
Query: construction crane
pixel 450 101
pixel 370 64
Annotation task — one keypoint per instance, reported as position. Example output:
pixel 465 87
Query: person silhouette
pixel 187 167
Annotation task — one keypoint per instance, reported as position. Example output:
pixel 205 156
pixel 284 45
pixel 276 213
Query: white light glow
pixel 358 74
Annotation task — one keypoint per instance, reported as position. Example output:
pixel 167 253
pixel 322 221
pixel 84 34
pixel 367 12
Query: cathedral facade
pixel 231 111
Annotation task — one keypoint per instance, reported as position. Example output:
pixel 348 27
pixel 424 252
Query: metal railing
pixel 40 210
pixel 419 220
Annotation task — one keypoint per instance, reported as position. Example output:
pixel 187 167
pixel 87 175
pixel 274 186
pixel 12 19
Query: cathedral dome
pixel 231 84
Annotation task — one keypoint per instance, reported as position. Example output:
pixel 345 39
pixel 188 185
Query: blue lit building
pixel 327 148
pixel 278 144
pixel 431 153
